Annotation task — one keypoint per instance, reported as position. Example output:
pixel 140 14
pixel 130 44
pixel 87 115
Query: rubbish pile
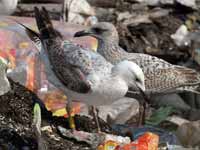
pixel 168 29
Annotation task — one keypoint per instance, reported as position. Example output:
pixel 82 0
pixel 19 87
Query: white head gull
pixel 7 7
pixel 160 76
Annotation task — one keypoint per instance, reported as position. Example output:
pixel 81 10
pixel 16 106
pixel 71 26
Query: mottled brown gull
pixel 160 76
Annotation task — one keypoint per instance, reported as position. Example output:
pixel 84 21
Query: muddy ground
pixel 16 124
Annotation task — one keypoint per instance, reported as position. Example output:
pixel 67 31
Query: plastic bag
pixel 26 66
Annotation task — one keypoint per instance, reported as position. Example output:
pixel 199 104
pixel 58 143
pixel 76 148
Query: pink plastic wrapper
pixel 26 66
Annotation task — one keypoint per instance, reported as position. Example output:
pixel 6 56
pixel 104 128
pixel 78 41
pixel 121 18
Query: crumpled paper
pixel 80 11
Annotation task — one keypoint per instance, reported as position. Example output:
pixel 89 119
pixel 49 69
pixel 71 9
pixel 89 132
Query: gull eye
pixel 97 30
pixel 137 80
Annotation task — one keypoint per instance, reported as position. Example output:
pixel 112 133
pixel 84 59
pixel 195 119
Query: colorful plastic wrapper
pixel 148 141
pixel 26 66
pixel 164 135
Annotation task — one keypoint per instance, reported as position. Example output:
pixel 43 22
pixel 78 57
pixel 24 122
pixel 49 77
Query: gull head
pixel 100 31
pixel 7 7
pixel 131 73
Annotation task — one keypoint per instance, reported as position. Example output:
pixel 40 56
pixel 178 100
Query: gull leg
pixel 95 116
pixel 64 9
pixel 71 119
pixel 142 113
pixel 79 136
pixel 141 110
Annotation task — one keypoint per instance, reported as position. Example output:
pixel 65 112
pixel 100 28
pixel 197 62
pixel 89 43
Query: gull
pixel 7 7
pixel 82 74
pixel 161 77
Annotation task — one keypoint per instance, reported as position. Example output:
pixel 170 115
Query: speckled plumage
pixel 81 74
pixel 160 76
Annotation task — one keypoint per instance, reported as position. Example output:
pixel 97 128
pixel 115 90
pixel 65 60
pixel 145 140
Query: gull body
pixel 160 76
pixel 83 75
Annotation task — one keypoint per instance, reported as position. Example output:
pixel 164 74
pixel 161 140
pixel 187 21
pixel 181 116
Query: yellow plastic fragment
pixel 3 24
pixel 23 45
pixel 60 112
pixel 108 145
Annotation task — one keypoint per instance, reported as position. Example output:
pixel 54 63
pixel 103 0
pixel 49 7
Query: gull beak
pixel 141 86
pixel 83 33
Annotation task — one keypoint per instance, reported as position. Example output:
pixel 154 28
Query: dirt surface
pixel 16 129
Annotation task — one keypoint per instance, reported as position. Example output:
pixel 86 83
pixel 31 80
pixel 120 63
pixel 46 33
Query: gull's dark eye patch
pixel 137 80
pixel 98 30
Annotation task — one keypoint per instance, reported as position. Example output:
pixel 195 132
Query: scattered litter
pixel 135 132
pixel 188 134
pixel 79 11
pixel 180 37
pixel 177 120
pixel 4 83
pixel 159 115
pixel 120 111
pixel 190 3
pixel 179 147
pixel 47 128
pixel 148 141
pixel 93 139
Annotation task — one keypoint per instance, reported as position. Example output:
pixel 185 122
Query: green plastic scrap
pixel 37 117
pixel 159 116
pixel 3 62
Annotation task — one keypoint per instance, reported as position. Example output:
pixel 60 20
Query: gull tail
pixel 45 25
pixel 191 79
pixel 34 36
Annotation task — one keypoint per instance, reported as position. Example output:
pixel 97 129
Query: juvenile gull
pixel 81 74
pixel 160 76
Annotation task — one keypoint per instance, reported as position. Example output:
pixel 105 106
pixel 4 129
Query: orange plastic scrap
pixel 148 141
pixel 55 101
pixel 30 82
